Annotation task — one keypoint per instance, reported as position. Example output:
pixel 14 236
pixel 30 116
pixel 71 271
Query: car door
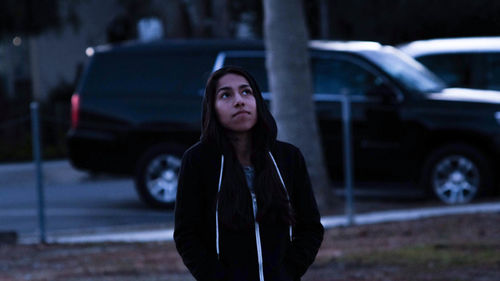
pixel 377 129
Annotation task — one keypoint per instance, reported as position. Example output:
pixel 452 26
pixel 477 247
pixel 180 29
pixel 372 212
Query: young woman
pixel 245 209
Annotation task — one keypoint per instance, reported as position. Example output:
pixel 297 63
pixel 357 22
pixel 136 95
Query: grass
pixel 436 255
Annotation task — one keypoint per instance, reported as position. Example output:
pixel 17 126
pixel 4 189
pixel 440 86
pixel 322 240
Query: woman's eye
pixel 224 95
pixel 247 92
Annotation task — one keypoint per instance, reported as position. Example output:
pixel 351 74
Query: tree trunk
pixel 324 19
pixel 288 69
pixel 220 17
pixel 197 17
pixel 175 21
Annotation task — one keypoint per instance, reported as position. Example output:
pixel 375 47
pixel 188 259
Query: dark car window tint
pixel 493 71
pixel 146 75
pixel 454 69
pixel 339 76
pixel 255 65
pixel 329 76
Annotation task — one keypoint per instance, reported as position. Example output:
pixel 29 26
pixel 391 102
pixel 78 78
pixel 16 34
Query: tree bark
pixel 324 19
pixel 197 17
pixel 175 21
pixel 220 17
pixel 288 68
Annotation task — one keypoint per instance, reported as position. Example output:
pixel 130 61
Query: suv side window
pixel 335 76
pixel 330 76
pixel 454 69
pixel 255 66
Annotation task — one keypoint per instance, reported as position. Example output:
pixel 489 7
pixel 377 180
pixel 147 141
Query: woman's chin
pixel 240 129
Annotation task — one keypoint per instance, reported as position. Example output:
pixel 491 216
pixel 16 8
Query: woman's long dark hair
pixel 234 199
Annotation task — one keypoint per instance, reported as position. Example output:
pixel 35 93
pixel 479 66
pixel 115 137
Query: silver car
pixel 472 62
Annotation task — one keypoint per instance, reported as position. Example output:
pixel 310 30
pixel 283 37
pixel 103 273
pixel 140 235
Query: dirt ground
pixel 464 247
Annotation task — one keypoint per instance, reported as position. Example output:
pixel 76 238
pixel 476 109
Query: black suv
pixel 138 107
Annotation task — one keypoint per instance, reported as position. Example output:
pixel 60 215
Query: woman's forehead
pixel 232 79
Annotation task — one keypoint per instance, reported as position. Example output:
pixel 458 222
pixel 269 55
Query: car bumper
pixel 97 152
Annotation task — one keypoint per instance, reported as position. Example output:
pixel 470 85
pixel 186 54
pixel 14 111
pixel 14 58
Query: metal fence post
pixel 35 129
pixel 346 125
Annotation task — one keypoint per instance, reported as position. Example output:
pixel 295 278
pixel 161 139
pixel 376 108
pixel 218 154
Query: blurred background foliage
pixel 386 21
pixel 398 21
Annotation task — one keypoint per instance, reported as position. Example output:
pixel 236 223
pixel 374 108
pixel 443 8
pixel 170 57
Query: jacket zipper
pixel 257 238
pixel 254 207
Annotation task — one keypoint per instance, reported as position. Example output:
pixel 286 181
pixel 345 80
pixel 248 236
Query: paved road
pixel 75 201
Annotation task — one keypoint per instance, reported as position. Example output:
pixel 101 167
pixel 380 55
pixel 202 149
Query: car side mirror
pixel 383 92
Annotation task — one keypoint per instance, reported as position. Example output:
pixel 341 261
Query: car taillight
pixel 75 108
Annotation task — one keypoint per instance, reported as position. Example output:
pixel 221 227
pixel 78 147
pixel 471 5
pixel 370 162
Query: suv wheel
pixel 156 176
pixel 457 173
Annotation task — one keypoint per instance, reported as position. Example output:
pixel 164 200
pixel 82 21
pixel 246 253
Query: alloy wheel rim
pixel 161 177
pixel 456 179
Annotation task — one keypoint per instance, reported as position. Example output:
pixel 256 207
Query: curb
pixel 328 222
pixel 412 214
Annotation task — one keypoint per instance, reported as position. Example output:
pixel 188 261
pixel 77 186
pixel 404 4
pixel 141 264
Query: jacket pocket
pixel 286 273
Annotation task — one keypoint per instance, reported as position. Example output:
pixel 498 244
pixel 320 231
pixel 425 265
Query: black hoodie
pixel 197 239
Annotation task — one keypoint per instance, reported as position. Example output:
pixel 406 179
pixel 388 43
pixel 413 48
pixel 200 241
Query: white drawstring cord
pixel 217 206
pixel 217 200
pixel 284 187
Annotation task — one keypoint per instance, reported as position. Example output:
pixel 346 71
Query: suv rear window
pixel 146 75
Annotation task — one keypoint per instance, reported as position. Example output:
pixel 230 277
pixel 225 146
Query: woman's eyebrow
pixel 242 86
pixel 222 89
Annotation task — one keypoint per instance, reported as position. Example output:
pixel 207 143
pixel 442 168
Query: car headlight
pixel 497 116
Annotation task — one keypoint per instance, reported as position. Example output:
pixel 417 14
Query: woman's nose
pixel 238 100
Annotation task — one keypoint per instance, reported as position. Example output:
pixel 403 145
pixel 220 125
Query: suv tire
pixel 457 173
pixel 156 175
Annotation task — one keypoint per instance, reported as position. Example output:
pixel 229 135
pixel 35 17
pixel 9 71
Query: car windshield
pixel 408 71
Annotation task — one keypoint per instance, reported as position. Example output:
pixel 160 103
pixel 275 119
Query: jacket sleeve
pixel 188 223
pixel 308 230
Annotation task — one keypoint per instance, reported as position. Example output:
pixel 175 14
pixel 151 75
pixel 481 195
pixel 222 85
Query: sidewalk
pixel 328 222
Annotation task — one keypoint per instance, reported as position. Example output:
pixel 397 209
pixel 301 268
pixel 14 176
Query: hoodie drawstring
pixel 217 207
pixel 217 201
pixel 286 192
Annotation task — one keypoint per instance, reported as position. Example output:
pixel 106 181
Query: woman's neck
pixel 242 144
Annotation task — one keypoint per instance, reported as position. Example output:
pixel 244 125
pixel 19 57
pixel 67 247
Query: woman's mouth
pixel 240 112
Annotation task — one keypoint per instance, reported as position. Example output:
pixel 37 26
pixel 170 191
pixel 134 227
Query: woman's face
pixel 235 103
